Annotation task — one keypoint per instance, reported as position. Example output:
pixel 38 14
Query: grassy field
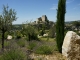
pixel 47 39
pixel 43 49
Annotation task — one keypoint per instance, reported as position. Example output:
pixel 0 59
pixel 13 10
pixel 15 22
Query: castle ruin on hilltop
pixel 42 19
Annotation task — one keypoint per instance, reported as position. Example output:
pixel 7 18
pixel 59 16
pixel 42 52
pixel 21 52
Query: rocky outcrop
pixel 71 46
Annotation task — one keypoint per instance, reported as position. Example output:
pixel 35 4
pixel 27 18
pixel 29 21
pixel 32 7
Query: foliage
pixel 41 32
pixel 46 31
pixel 45 39
pixel 21 43
pixel 19 35
pixel 44 50
pixel 6 44
pixel 12 55
pixel 6 19
pixel 76 23
pixel 31 45
pixel 30 31
pixel 52 32
pixel 60 23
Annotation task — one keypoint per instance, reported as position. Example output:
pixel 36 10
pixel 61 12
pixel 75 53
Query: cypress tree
pixel 60 24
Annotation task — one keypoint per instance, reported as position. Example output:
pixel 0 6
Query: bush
pixel 44 50
pixel 5 36
pixel 19 35
pixel 30 31
pixel 12 55
pixel 41 32
pixel 31 45
pixel 46 31
pixel 6 44
pixel 21 43
pixel 52 32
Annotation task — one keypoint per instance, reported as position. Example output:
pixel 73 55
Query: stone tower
pixel 44 18
pixel 38 20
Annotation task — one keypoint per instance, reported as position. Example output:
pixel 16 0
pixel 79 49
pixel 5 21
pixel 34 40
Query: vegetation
pixel 6 19
pixel 76 24
pixel 41 32
pixel 25 45
pixel 60 23
pixel 30 31
pixel 44 50
pixel 52 32
pixel 13 55
pixel 32 45
pixel 31 39
pixel 21 42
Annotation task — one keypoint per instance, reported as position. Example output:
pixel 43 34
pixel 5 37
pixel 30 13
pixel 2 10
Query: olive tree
pixel 30 31
pixel 6 19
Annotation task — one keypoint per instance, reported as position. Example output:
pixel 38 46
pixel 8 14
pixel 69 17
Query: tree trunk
pixel 3 40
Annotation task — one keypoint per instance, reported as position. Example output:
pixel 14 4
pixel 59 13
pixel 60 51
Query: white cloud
pixel 69 1
pixel 54 7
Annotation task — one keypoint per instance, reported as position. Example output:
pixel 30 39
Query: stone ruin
pixel 42 19
pixel 71 46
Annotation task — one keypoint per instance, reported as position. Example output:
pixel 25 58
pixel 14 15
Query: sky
pixel 30 10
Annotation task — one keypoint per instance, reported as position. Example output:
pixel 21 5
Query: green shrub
pixel 21 43
pixel 44 50
pixel 52 32
pixel 19 35
pixel 31 45
pixel 26 38
pixel 12 55
pixel 30 32
pixel 6 44
pixel 41 32
pixel 46 31
pixel 34 36
pixel 55 48
pixel 6 34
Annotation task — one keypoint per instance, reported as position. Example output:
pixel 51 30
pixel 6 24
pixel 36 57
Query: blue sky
pixel 32 9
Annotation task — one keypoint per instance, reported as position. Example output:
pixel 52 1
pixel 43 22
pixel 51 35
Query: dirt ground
pixel 54 56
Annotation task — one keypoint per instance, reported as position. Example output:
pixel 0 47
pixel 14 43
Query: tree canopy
pixel 6 19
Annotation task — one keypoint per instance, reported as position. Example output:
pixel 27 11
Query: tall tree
pixel 6 19
pixel 60 24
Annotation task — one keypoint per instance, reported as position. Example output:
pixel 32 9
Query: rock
pixel 9 37
pixel 71 46
pixel 45 35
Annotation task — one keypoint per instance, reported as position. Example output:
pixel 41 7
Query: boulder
pixel 9 37
pixel 71 46
pixel 45 35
